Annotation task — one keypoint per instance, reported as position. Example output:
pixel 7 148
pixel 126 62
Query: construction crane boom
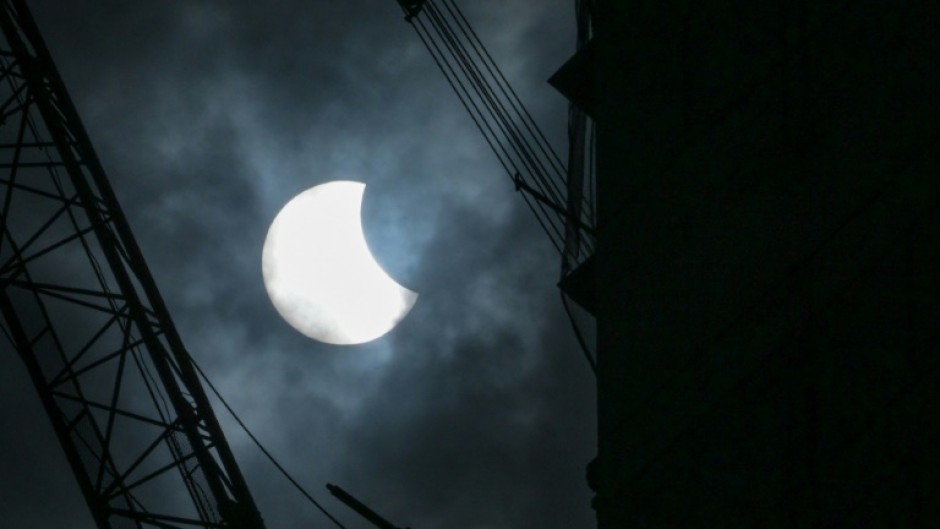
pixel 81 309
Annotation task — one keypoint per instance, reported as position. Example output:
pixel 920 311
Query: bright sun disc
pixel 319 273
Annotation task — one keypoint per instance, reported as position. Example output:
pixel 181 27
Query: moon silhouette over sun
pixel 319 272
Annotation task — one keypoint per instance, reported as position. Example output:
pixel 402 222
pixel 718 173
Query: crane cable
pixel 483 125
pixel 512 134
pixel 264 450
pixel 496 109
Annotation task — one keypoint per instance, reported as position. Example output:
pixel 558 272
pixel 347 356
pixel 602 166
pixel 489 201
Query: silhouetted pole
pixel 360 507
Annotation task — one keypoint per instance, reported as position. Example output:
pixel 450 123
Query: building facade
pixel 768 263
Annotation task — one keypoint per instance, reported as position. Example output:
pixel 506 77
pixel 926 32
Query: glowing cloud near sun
pixel 319 272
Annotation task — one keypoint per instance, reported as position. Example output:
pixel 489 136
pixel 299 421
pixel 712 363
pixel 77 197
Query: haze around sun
pixel 319 272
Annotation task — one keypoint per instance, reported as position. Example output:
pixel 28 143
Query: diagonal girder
pixel 81 309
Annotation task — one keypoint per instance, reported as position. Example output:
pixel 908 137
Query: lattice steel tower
pixel 81 309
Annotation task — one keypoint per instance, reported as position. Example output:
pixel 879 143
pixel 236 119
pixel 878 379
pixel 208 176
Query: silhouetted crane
pixel 82 310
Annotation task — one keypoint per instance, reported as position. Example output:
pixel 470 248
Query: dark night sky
pixel 478 410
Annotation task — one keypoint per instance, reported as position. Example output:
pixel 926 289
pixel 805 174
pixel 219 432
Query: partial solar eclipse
pixel 319 272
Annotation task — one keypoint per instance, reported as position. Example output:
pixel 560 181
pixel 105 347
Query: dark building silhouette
pixel 767 265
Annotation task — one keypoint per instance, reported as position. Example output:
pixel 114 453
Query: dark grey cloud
pixel 209 116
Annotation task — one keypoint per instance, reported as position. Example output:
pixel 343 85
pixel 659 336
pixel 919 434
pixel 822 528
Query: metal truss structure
pixel 81 309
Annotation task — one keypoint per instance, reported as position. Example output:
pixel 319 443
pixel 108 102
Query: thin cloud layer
pixel 477 411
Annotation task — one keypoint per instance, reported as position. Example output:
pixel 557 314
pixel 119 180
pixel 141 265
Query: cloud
pixel 477 410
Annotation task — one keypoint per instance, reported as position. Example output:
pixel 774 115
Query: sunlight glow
pixel 320 274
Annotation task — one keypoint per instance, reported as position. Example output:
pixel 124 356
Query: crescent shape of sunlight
pixel 319 273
